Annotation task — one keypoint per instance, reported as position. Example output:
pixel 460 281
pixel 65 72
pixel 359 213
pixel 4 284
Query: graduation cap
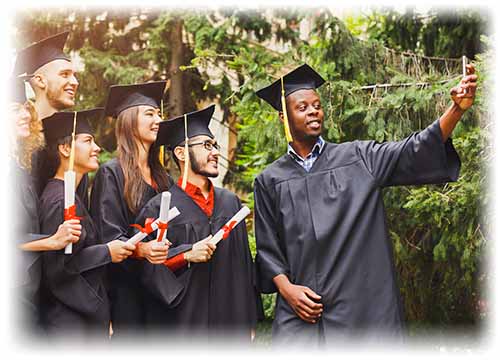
pixel 40 53
pixel 121 97
pixel 174 131
pixel 303 77
pixel 60 124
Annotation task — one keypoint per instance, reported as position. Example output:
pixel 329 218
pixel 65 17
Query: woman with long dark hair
pixel 73 291
pixel 121 188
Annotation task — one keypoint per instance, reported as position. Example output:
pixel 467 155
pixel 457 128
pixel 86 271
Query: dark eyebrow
pixel 87 136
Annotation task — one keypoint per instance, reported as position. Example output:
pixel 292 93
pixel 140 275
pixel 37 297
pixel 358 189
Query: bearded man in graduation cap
pixel 322 241
pixel 218 294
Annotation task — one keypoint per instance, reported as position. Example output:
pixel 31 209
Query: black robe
pixel 218 296
pixel 326 229
pixel 113 219
pixel 28 263
pixel 74 297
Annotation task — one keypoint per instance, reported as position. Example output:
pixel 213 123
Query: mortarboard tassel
pixel 161 154
pixel 72 151
pixel 186 155
pixel 288 134
pixel 69 187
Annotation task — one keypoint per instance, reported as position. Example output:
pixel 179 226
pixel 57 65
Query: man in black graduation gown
pixel 218 296
pixel 52 77
pixel 322 240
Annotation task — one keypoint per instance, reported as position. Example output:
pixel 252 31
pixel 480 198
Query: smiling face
pixel 305 114
pixel 86 153
pixel 22 118
pixel 61 84
pixel 203 162
pixel 148 123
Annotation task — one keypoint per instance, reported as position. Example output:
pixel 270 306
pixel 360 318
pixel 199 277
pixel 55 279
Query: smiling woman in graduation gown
pixel 74 296
pixel 120 190
pixel 24 199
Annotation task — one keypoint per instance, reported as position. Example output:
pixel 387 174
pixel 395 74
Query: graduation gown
pixel 326 229
pixel 81 189
pixel 113 219
pixel 218 296
pixel 74 297
pixel 28 263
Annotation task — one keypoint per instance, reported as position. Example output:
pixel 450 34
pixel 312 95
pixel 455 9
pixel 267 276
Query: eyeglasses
pixel 208 145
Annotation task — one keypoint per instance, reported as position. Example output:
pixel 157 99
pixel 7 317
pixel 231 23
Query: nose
pixel 25 115
pixel 73 80
pixel 312 111
pixel 215 151
pixel 157 119
pixel 97 148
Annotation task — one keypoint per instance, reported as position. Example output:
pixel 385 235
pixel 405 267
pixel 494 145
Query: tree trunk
pixel 176 98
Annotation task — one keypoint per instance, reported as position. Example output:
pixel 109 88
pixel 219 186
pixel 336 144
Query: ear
pixel 39 81
pixel 179 153
pixel 282 118
pixel 64 150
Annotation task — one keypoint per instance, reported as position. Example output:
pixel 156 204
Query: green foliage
pixel 450 33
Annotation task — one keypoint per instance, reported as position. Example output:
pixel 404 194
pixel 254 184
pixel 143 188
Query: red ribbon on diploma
pixel 227 229
pixel 147 229
pixel 70 213
pixel 162 227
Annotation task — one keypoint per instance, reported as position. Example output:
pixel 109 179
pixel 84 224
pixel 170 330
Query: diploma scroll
pixel 163 218
pixel 223 233
pixel 69 201
pixel 172 213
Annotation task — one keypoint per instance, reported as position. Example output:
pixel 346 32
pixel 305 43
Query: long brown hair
pixel 128 155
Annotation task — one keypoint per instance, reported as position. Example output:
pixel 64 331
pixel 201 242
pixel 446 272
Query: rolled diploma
pixel 69 198
pixel 164 207
pixel 235 220
pixel 172 213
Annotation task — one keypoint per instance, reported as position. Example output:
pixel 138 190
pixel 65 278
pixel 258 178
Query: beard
pixel 197 166
pixel 56 99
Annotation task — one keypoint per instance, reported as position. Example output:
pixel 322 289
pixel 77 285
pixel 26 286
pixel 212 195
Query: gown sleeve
pixel 107 207
pixel 421 158
pixel 271 256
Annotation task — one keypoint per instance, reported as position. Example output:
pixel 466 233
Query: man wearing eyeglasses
pixel 217 296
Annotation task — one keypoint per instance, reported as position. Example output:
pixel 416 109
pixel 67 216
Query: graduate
pixel 52 76
pixel 25 201
pixel 218 294
pixel 74 299
pixel 322 241
pixel 122 186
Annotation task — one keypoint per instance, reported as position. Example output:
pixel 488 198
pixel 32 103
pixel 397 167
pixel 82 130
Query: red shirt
pixel 194 192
